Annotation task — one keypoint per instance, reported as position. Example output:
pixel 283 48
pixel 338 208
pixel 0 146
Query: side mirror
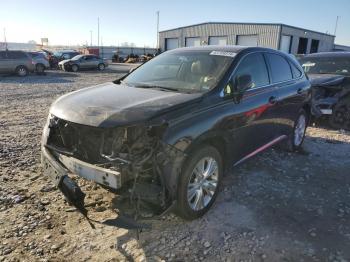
pixel 243 83
pixel 240 85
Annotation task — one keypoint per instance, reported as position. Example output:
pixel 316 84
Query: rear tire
pixel 199 182
pixel 101 67
pixel 74 68
pixel 296 139
pixel 22 71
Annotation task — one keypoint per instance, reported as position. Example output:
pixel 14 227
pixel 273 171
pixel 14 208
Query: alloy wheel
pixel 299 130
pixel 22 71
pixel 203 183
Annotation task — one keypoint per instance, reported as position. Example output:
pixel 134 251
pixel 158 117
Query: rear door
pixel 94 62
pixel 16 58
pixel 291 90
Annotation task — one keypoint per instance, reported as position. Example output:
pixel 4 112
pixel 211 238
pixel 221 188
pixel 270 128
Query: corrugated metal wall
pixel 268 35
pixel 326 41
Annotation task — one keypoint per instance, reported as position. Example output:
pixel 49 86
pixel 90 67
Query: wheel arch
pixel 213 140
pixel 173 170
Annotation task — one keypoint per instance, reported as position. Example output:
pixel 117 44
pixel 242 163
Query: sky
pixel 70 22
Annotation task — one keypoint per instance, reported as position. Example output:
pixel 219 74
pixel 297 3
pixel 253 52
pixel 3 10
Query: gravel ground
pixel 276 207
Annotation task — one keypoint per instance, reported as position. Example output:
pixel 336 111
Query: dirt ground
pixel 276 207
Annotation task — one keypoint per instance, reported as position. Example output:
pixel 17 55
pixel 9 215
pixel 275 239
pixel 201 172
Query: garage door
pixel 218 40
pixel 193 41
pixel 247 40
pixel 171 43
pixel 285 43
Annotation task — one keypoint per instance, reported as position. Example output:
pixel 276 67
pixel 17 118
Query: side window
pixel 254 66
pixel 16 55
pixel 296 72
pixel 280 68
pixel 66 56
pixel 3 55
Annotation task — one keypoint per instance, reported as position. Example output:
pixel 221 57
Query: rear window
pixel 280 68
pixel 34 54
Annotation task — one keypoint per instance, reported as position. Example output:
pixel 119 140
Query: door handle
pixel 300 91
pixel 272 100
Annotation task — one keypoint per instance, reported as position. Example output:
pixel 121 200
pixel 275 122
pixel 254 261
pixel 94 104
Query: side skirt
pixel 260 149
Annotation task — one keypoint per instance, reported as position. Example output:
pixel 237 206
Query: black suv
pixel 167 131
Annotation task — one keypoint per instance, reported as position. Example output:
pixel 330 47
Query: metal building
pixel 287 38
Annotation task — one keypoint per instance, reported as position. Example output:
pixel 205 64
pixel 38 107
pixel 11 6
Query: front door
pixel 253 117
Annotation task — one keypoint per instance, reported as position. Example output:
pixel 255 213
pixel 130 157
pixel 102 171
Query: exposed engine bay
pixel 136 153
pixel 331 99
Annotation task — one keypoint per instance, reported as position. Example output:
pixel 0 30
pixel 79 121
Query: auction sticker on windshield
pixel 308 64
pixel 223 53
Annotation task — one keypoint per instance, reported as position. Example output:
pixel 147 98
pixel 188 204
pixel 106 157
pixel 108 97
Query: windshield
pixel 77 57
pixel 187 71
pixel 326 65
pixel 57 54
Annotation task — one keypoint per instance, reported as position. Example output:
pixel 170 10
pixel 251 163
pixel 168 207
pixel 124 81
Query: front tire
pixel 340 119
pixel 40 68
pixel 101 67
pixel 74 68
pixel 199 182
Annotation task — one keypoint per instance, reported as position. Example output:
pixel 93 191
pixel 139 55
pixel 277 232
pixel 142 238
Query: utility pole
pixel 98 32
pixel 90 38
pixel 101 47
pixel 336 25
pixel 5 38
pixel 157 29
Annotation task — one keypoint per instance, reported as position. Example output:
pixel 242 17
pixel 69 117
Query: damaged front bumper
pixel 57 170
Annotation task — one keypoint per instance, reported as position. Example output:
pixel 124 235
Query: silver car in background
pixel 41 61
pixel 83 62
pixel 18 62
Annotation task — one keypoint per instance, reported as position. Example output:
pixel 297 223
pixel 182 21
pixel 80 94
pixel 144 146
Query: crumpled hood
pixel 110 105
pixel 64 61
pixel 325 79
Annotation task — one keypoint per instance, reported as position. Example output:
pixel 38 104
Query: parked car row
pixel 22 63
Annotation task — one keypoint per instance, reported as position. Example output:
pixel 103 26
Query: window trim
pixel 289 62
pixel 266 64
pixel 263 52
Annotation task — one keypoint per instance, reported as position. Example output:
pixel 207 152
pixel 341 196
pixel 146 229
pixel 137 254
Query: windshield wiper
pixel 163 88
